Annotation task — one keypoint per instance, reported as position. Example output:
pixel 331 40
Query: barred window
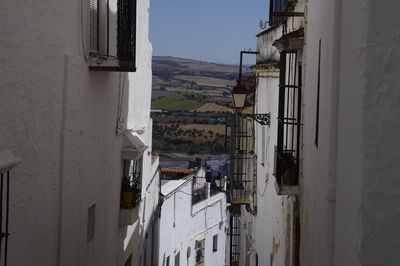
pixel 131 183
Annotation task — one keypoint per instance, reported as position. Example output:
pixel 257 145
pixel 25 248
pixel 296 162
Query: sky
pixel 207 30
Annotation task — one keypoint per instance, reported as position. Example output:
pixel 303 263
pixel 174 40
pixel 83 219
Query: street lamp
pixel 239 96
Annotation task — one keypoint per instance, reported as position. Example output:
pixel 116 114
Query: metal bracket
pixel 263 119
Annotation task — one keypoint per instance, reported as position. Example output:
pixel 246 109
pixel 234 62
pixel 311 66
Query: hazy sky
pixel 208 30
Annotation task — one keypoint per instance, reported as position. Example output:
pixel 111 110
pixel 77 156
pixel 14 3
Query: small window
pixel 199 248
pixel 199 190
pixel 215 243
pixel 177 259
pixel 91 222
pixel 167 263
pixel 131 183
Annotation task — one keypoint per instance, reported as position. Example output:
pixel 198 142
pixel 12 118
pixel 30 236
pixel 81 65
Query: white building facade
pixel 74 106
pixel 331 147
pixel 193 223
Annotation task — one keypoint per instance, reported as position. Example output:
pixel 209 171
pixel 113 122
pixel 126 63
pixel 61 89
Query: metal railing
pixel 241 178
pixel 289 114
pixel 131 183
pixel 199 191
pixel 280 10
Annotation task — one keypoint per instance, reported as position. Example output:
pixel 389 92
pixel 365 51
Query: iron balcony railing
pixel 234 240
pixel 289 114
pixel 242 173
pixel 131 183
pixel 199 190
pixel 280 10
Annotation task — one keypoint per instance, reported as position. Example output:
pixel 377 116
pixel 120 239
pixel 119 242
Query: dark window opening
pixel 199 190
pixel 199 249
pixel 215 243
pixel 91 222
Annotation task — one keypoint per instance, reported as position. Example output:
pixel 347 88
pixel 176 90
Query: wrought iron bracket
pixel 263 119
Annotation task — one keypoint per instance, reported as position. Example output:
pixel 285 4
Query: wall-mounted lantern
pixel 239 96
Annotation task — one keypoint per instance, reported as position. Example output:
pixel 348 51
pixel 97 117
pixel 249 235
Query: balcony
pixel 280 10
pixel 242 171
pixel 199 190
pixel 130 191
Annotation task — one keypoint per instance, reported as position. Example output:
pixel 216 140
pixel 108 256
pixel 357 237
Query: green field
pixel 175 102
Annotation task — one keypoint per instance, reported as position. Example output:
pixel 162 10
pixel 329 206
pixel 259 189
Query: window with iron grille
pixel 199 249
pixel 106 54
pixel 199 190
pixel 241 179
pixel 131 183
pixel 279 10
pixel 289 114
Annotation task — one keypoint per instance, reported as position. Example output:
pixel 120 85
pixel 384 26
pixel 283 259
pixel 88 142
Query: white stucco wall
pixel 61 120
pixel 350 214
pixel 368 135
pixel 181 224
pixel 271 235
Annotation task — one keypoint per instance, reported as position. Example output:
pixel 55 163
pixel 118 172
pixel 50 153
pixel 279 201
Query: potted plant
pixel 127 193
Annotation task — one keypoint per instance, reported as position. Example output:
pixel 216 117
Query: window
pixel 199 249
pixel 289 114
pixel 177 259
pixel 199 190
pixel 91 222
pixel 131 183
pixel 279 10
pixel 215 243
pixel 112 37
pixel 167 262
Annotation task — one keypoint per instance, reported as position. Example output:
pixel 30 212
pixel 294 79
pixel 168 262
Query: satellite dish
pixel 261 23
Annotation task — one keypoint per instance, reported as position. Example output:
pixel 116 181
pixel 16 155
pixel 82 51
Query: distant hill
pixel 212 81
pixel 192 66
pixel 193 96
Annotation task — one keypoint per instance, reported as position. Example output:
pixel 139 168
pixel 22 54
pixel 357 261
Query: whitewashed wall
pixel 61 120
pixel 350 214
pixel 181 224
pixel 273 211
